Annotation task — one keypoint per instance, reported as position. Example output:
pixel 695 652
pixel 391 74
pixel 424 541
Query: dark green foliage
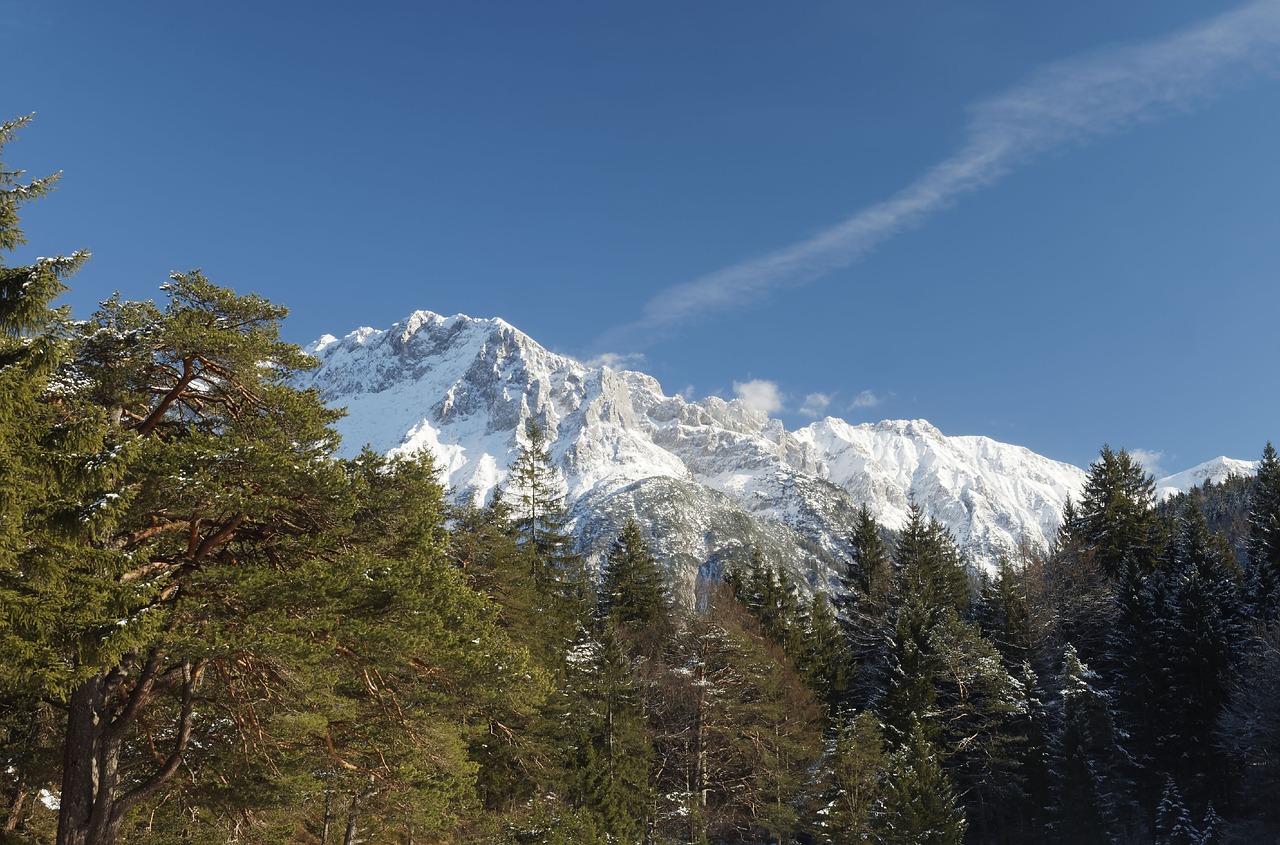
pixel 867 577
pixel 1090 794
pixel 1116 517
pixel 1202 634
pixel 540 521
pixel 633 593
pixel 824 657
pixel 607 756
pixel 857 768
pixel 929 566
pixel 1250 726
pixel 1004 614
pixel 1263 558
pixel 866 610
pixel 33 344
pixel 736 731
pixel 772 599
pixel 919 805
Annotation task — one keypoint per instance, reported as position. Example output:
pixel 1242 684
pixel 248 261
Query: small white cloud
pixel 617 361
pixel 759 395
pixel 1150 460
pixel 815 404
pixel 865 399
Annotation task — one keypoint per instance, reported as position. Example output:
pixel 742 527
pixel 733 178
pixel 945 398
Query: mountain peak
pixel 1216 470
pixel 709 478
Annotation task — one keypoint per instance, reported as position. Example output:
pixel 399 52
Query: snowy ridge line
pixel 463 387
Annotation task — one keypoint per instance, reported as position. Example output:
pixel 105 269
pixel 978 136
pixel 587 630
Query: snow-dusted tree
pixel 1173 822
pixel 1263 564
pixel 855 772
pixel 1090 794
pixel 1250 726
pixel 1211 828
pixel 919 805
pixel 1200 635
pixel 33 343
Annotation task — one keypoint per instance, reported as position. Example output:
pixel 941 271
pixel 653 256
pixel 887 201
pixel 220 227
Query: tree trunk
pixel 15 811
pixel 80 776
pixel 328 817
pixel 352 816
pixel 91 811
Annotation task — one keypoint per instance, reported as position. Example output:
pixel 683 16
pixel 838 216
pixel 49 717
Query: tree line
pixel 214 630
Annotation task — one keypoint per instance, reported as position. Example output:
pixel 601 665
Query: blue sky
pixel 1052 224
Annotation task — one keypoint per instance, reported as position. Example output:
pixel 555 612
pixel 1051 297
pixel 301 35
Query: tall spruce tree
pixel 919 805
pixel 855 773
pixel 866 609
pixel 1116 519
pixel 1090 792
pixel 33 344
pixel 1263 547
pixel 1201 635
pixel 633 592
pixel 1173 822
pixel 541 522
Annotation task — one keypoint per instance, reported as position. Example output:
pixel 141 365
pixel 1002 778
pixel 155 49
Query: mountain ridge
pixel 708 478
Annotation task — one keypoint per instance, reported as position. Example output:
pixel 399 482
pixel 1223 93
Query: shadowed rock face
pixel 706 480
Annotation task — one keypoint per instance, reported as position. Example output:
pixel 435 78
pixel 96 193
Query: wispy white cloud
pixel 1150 460
pixel 617 360
pixel 815 404
pixel 865 399
pixel 1065 102
pixel 759 394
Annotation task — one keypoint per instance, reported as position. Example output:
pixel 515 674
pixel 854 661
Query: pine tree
pixel 200 576
pixel 633 592
pixel 33 344
pixel 928 564
pixel 858 762
pixel 866 610
pixel 607 755
pixel 824 657
pixel 919 805
pixel 1211 828
pixel 1263 547
pixel 541 523
pixel 867 577
pixel 1090 793
pixel 1250 726
pixel 1116 519
pixel 1173 822
pixel 1004 614
pixel 737 731
pixel 1200 635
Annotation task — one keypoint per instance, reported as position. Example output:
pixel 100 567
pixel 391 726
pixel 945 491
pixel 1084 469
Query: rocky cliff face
pixel 707 480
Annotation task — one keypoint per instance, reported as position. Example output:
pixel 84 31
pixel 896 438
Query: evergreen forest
pixel 213 630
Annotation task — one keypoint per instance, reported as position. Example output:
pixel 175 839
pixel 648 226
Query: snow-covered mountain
pixel 706 480
pixel 1217 470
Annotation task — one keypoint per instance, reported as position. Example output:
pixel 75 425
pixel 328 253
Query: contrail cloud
pixel 1066 102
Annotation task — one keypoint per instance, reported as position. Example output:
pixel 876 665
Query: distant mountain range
pixel 706 479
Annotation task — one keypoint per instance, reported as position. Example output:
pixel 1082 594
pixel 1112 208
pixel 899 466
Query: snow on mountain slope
pixel 707 479
pixel 1217 470
pixel 991 495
